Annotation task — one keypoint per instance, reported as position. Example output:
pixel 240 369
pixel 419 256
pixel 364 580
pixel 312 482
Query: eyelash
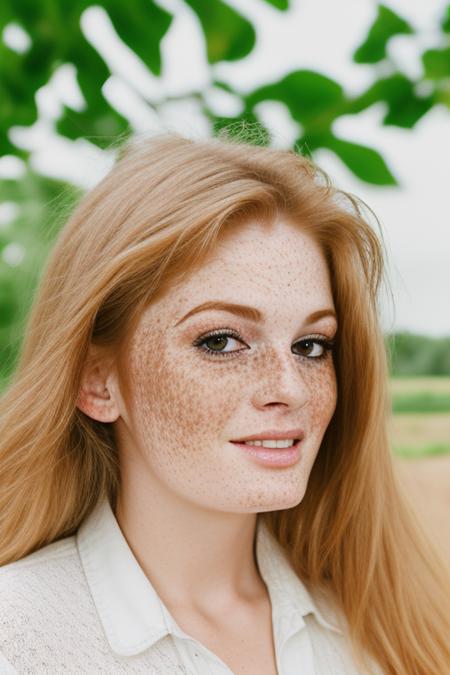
pixel 200 341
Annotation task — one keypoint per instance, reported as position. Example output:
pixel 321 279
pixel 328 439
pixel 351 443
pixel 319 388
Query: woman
pixel 203 294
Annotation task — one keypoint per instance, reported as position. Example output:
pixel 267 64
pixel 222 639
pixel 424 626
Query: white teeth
pixel 272 444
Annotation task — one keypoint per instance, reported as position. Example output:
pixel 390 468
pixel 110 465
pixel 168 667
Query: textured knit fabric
pixel 84 605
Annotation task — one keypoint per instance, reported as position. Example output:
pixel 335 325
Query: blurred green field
pixel 420 423
pixel 421 402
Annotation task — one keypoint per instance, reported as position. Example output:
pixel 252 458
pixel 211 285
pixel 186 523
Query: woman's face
pixel 192 395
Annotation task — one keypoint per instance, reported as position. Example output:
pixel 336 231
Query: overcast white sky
pixel 316 34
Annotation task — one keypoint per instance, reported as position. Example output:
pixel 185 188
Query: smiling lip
pixel 272 456
pixel 274 435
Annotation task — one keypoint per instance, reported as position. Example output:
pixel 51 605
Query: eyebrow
pixel 246 312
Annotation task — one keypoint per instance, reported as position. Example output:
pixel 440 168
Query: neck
pixel 193 557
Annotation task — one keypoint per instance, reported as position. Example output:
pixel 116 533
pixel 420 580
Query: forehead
pixel 270 265
pixel 275 252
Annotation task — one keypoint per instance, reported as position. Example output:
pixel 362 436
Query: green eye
pixel 218 339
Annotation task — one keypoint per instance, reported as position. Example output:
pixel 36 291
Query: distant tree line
pixel 417 355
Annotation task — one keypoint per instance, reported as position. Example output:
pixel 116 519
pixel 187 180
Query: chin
pixel 284 500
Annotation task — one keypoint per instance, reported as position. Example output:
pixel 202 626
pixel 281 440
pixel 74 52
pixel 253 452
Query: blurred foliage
pixel 412 354
pixel 386 25
pixel 45 205
pixel 314 101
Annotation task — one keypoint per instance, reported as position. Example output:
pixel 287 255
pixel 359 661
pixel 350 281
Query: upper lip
pixel 273 435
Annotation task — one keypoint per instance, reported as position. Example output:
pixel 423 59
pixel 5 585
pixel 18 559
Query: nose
pixel 282 382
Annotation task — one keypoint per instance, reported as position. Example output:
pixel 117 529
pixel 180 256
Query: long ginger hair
pixel 157 214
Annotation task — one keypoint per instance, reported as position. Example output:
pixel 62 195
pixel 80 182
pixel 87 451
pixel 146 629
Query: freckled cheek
pixel 184 404
pixel 323 396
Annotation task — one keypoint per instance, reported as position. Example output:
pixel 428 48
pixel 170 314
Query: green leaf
pixel 7 14
pixel 436 63
pixel 283 5
pixel 102 129
pixel 8 304
pixel 307 94
pixel 365 162
pixel 405 108
pixel 17 104
pixel 225 86
pixel 229 36
pixel 141 24
pixel 386 25
pixel 245 128
pixel 98 122
pixel 310 141
pixel 445 22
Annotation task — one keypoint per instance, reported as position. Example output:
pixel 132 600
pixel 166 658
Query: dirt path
pixel 427 482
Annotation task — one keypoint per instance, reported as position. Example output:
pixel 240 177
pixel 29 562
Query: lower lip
pixel 272 456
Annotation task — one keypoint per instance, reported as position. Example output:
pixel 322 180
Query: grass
pixel 422 451
pixel 421 416
pixel 412 385
pixel 421 402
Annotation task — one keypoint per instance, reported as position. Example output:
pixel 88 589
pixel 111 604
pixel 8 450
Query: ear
pixel 96 394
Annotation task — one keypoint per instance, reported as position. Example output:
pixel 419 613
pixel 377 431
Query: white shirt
pixel 84 605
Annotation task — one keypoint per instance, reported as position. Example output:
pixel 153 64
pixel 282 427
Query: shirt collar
pixel 131 612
